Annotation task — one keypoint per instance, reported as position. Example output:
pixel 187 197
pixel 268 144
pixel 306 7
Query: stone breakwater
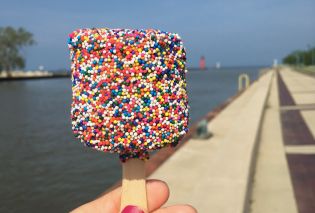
pixel 37 74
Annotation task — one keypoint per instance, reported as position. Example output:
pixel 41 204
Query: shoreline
pixel 20 75
pixel 41 74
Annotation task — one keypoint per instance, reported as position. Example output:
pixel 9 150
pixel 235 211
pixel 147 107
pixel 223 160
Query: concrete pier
pixel 249 164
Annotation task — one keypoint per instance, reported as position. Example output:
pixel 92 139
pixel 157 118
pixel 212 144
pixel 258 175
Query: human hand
pixel 157 195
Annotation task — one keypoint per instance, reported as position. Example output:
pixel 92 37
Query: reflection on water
pixel 44 168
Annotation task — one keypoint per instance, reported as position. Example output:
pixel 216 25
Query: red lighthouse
pixel 202 63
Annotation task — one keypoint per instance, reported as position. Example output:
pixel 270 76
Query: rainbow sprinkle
pixel 129 90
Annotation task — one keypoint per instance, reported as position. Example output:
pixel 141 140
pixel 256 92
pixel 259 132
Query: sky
pixel 235 33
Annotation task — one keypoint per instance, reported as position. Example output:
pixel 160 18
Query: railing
pixel 243 81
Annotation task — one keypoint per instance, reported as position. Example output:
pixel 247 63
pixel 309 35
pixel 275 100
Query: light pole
pixel 312 53
pixel 297 59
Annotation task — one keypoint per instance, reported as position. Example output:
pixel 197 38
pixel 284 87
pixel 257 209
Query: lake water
pixel 43 168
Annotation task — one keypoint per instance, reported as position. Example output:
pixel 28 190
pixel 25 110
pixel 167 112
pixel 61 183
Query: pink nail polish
pixel 132 209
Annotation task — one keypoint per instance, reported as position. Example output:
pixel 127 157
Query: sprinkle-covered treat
pixel 129 90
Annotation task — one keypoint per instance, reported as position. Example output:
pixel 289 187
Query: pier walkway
pixel 297 107
pixel 261 157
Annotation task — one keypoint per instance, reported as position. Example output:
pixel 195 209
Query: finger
pixel 157 195
pixel 177 209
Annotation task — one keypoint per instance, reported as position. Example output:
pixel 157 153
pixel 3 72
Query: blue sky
pixel 236 33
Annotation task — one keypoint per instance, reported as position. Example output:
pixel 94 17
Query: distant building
pixel 202 63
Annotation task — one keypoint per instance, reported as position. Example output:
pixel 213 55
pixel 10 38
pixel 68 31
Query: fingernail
pixel 132 209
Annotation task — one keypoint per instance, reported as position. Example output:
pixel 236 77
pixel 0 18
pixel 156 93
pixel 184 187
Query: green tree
pixel 300 57
pixel 11 42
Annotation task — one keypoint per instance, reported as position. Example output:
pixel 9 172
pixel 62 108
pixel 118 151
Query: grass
pixel 309 70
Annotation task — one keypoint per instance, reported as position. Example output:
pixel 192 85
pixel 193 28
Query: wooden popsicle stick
pixel 134 185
